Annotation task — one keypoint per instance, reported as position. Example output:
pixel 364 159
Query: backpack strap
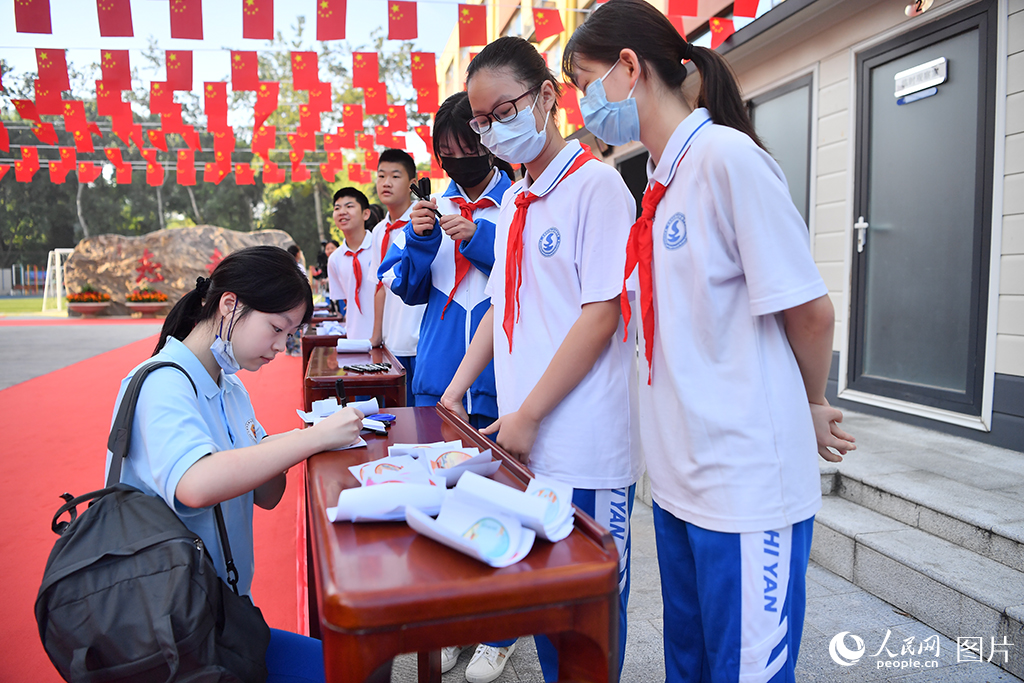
pixel 121 431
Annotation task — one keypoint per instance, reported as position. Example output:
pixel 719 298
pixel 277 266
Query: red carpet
pixel 54 432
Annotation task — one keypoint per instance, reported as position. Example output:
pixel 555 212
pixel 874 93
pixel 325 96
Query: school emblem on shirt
pixel 250 429
pixel 549 241
pixel 675 232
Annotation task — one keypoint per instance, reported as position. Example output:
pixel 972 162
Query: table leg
pixel 591 651
pixel 429 666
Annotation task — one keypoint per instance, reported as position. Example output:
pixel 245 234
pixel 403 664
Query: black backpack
pixel 130 594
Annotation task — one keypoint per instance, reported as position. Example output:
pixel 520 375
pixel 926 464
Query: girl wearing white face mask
pixel 554 331
pixel 737 330
pixel 197 447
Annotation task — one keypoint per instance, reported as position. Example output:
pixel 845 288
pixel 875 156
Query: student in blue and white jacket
pixel 446 261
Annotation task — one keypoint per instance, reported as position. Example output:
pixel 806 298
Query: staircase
pixel 933 524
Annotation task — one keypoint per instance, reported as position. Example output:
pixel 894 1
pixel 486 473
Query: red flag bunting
pixel 46 133
pixel 266 101
pixel 330 23
pixel 263 141
pixel 158 139
pixel 352 117
pixel 375 98
pixel 272 173
pixel 745 8
pixel 546 23
pixel 258 19
pixel 32 16
pixel 53 68
pixel 214 173
pixel 187 19
pixel 48 101
pixel 571 105
pixel 302 141
pixel 683 8
pixel 300 173
pixel 215 103
pixel 3 170
pixel 305 72
pixel 59 172
pixel 355 173
pixel 27 110
pixel 179 69
pixel 115 18
pixel 364 141
pixel 114 155
pixel 720 30
pixel 401 20
pixel 397 120
pixel 436 172
pixel 83 141
pixel 472 25
pixel 309 119
pixel 424 69
pixel 371 158
pixel 108 100
pixel 117 72
pixel 426 99
pixel 384 136
pixel 244 174
pixel 173 123
pixel 185 171
pixel 244 71
pixel 344 139
pixel 5 138
pixel 192 139
pixel 320 97
pixel 425 135
pixel 328 172
pixel 161 98
pixel 88 171
pixel 365 71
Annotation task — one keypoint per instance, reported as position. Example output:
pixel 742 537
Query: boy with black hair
pixel 350 271
pixel 395 324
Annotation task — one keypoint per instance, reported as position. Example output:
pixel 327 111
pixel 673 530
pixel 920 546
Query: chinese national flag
pixel 364 141
pixel 330 23
pixel 214 173
pixel 355 173
pixel 185 172
pixel 114 154
pixel 272 173
pixel 115 18
pixel 244 71
pixel 401 20
pixel 158 139
pixel 5 138
pixel 546 23
pixel 32 16
pixel 263 141
pixel 335 160
pixel 436 172
pixel 376 99
pixel 344 139
pixel 327 171
pixel 384 137
pixel 3 170
pixel 424 69
pixel 46 133
pixel 397 120
pixel 179 69
pixel 682 8
pixel 74 115
pixel 27 110
pixel 48 101
pixel 365 71
pixel 472 25
pixel 352 117
pixel 192 139
pixel 320 97
pixel 426 99
pixel 53 68
pixel 302 141
pixel 187 19
pixel 258 19
pixel 161 98
pixel 571 105
pixel 215 99
pixel 154 170
pixel 88 171
pixel 305 71
pixel 425 135
pixel 59 172
pixel 117 73
pixel 83 141
pixel 720 30
pixel 371 158
pixel 309 119
pixel 300 173
pixel 124 175
pixel 173 123
pixel 244 174
pixel 266 101
pixel 23 172
pixel 224 143
pixel 745 8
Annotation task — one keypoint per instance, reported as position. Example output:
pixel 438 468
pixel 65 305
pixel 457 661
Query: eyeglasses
pixel 502 113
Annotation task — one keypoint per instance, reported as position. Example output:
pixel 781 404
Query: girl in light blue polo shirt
pixel 198 447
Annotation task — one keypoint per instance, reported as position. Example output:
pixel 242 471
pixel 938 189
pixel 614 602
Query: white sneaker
pixel 450 655
pixel 488 663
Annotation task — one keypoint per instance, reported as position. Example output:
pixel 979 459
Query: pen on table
pixel 339 389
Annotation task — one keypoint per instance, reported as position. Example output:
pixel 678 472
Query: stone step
pixel 985 521
pixel 956 591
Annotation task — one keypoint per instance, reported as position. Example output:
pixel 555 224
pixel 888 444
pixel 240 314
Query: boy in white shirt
pixel 349 269
pixel 395 324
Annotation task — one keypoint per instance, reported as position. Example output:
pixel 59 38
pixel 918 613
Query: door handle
pixel 861 226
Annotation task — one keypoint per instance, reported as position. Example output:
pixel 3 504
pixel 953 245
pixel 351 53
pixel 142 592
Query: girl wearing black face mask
pixel 446 261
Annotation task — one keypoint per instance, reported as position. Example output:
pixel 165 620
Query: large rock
pixel 165 260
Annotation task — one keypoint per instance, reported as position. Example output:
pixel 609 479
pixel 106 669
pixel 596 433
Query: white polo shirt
pixel 342 282
pixel 574 245
pixel 727 429
pixel 401 324
pixel 174 428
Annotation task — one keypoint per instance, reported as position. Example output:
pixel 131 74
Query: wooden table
pixel 383 590
pixel 311 341
pixel 325 368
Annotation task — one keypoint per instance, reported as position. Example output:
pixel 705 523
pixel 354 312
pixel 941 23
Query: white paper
pixel 358 443
pixel 545 507
pixel 385 466
pixel 407 476
pixel 415 449
pixel 330 327
pixel 454 462
pixel 374 425
pixel 385 502
pixel 490 537
pixel 353 345
pixel 329 406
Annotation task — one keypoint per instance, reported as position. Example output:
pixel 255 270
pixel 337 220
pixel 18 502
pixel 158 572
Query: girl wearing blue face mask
pixel 196 447
pixel 554 331
pixel 737 330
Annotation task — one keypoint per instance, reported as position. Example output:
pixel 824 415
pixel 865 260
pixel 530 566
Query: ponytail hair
pixel 520 58
pixel 263 278
pixel 636 25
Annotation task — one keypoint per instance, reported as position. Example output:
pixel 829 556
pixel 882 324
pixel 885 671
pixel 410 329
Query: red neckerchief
pixel 357 270
pixel 514 249
pixel 461 262
pixel 384 242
